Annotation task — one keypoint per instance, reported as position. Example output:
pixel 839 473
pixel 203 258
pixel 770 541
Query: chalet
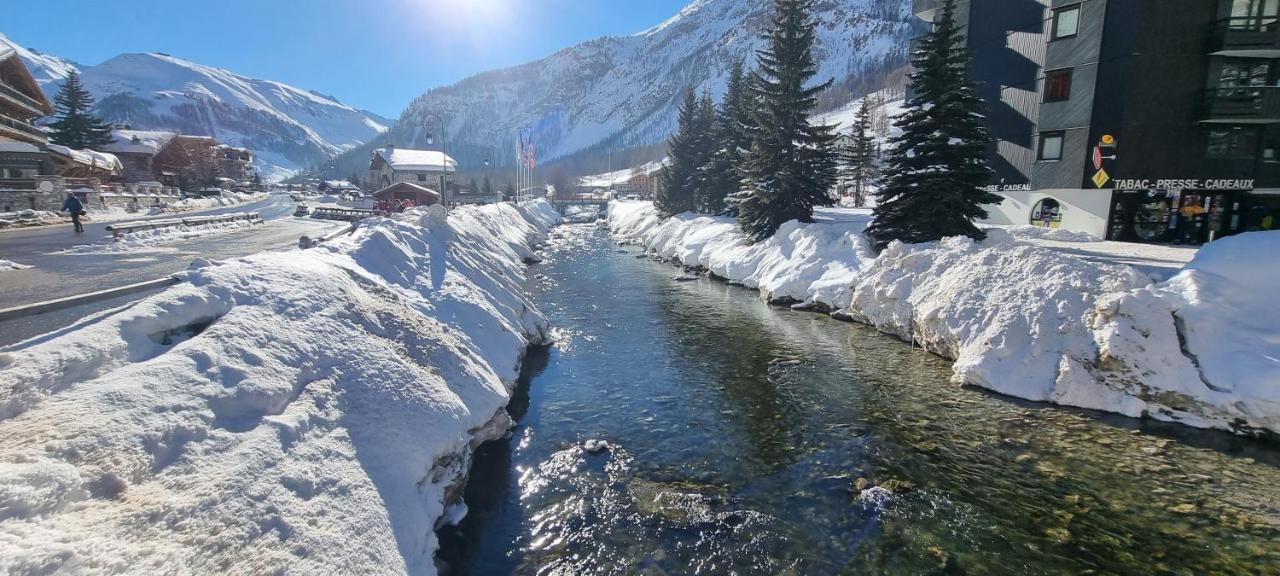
pixel 21 102
pixel 188 162
pixel 422 167
pixel 235 163
pixel 396 193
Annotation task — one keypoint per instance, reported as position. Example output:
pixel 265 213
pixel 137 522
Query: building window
pixel 1057 85
pixel 422 177
pixel 1051 146
pixel 1232 144
pixel 1047 213
pixel 1066 22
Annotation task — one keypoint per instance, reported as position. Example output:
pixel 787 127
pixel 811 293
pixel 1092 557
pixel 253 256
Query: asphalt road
pixel 55 274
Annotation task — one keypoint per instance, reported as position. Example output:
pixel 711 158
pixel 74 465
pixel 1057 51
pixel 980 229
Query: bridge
pixel 563 201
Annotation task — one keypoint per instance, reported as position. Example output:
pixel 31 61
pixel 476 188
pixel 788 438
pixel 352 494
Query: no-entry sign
pixel 1097 157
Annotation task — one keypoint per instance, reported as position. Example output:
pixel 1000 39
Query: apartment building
pixel 1136 120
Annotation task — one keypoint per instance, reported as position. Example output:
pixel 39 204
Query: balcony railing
pixel 34 107
pixel 1244 35
pixel 1250 104
pixel 23 127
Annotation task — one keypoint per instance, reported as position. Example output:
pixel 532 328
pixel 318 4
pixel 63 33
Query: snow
pixel 134 241
pixel 1031 318
pixel 15 146
pixel 101 160
pixel 26 218
pixel 1027 231
pixel 418 160
pixel 306 412
pixel 807 264
pixel 139 141
pixel 11 265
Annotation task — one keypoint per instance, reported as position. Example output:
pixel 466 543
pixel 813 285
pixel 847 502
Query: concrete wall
pixel 1082 210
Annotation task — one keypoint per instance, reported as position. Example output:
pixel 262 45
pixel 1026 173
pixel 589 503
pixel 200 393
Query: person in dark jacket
pixel 76 207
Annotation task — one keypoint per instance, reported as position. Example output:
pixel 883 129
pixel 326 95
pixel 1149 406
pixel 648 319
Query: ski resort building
pixel 1136 120
pixel 422 167
pixel 178 160
pixel 21 103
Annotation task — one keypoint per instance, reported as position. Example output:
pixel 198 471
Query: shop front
pixel 1188 216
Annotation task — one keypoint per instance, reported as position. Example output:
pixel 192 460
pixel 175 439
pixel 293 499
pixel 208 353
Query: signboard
pixel 1108 141
pixel 1185 184
pixel 1097 157
pixel 1101 178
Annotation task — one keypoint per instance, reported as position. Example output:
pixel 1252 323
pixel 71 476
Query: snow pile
pixel 227 198
pixel 308 412
pixel 134 241
pixel 25 218
pixel 1024 319
pixel 1029 232
pixel 810 265
pixel 11 265
pixel 582 213
pixel 1008 314
pixel 1204 346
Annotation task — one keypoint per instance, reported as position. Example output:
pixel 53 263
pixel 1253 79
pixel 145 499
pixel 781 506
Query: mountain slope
pixel 287 128
pixel 620 92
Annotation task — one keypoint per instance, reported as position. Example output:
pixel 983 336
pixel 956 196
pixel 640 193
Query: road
pixel 56 275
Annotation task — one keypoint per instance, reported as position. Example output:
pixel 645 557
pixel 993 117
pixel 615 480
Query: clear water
pixel 738 434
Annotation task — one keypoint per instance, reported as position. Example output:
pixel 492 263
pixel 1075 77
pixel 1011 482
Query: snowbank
pixel 26 218
pixel 813 265
pixel 1022 319
pixel 142 239
pixel 11 265
pixel 1204 346
pixel 1027 231
pixel 307 412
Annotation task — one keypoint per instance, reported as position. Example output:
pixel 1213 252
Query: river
pixel 748 439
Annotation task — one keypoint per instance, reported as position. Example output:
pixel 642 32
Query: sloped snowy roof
pixel 139 141
pixel 418 160
pixel 100 160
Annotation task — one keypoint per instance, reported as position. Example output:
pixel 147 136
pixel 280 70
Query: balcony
pixel 29 105
pixel 23 131
pixel 1245 105
pixel 1247 37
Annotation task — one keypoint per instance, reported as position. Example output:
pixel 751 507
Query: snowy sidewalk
pixel 1159 261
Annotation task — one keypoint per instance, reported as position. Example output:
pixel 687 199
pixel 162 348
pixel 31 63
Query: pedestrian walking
pixel 76 207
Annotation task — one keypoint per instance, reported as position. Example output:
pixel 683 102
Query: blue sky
pixel 374 54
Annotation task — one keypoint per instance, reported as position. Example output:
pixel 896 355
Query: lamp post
pixel 445 195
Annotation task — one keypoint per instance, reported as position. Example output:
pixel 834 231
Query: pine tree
pixel 730 141
pixel 792 164
pixel 704 151
pixel 487 186
pixel 676 193
pixel 859 156
pixel 76 127
pixel 937 168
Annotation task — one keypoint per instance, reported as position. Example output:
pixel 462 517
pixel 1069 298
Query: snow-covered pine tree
pixel 859 156
pixel 76 126
pixel 792 163
pixel 676 193
pixel 936 169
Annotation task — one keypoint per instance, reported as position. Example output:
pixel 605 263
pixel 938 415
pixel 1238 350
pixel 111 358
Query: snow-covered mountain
pixel 287 128
pixel 620 92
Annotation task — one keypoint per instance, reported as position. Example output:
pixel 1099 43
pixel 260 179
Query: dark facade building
pixel 1142 120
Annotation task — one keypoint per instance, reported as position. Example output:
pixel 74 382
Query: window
pixel 422 177
pixel 1051 145
pixel 1066 22
pixel 1232 144
pixel 1047 213
pixel 1057 85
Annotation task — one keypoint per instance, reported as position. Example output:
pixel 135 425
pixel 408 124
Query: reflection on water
pixel 753 440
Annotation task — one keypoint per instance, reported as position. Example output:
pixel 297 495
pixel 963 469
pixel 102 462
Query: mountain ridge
pixel 288 128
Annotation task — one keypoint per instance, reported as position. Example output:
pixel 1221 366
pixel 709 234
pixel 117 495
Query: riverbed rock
pixel 596 446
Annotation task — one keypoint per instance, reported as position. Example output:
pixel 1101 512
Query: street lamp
pixel 444 158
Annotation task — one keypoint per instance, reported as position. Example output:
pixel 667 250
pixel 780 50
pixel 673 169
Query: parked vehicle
pixel 301 210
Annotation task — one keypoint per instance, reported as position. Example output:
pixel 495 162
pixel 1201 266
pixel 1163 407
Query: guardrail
pixel 122 228
pixel 343 214
pixel 81 299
